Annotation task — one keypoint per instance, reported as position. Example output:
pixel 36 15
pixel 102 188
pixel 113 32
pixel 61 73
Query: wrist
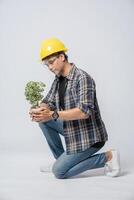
pixel 54 115
pixel 51 112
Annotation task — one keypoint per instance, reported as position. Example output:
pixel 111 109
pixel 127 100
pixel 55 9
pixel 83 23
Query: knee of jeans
pixel 58 172
pixel 41 124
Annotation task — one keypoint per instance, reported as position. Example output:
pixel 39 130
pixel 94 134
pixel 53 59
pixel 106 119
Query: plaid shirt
pixel 80 93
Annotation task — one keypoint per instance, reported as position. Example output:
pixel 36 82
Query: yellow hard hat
pixel 51 46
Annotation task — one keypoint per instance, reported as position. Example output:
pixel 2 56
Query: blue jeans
pixel 66 165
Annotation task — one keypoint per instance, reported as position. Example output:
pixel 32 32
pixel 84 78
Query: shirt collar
pixel 71 73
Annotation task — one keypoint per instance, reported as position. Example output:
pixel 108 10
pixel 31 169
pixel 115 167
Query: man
pixel 71 109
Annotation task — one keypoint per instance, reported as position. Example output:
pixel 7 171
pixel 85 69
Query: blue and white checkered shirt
pixel 80 93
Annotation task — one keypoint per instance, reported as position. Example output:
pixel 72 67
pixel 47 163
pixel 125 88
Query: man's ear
pixel 62 57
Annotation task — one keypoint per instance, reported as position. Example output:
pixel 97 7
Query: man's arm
pixel 85 105
pixel 49 99
pixel 83 109
pixel 45 114
pixel 71 114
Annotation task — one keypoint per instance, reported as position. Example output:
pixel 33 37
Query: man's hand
pixel 41 113
pixel 44 105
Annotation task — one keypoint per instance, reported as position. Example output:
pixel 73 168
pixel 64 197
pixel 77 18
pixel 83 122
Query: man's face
pixel 55 64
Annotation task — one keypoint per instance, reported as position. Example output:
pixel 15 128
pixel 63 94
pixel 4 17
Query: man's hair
pixel 57 54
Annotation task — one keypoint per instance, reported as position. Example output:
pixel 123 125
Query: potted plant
pixel 33 92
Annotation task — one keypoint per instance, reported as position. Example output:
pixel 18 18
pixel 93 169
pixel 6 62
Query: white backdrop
pixel 99 35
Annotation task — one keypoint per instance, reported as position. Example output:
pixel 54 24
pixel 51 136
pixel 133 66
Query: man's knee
pixel 42 124
pixel 58 171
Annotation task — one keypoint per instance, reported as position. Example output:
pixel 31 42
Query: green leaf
pixel 33 92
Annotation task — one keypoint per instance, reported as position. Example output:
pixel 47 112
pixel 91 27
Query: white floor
pixel 20 179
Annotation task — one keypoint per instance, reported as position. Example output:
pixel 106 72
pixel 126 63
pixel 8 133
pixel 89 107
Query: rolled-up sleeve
pixel 50 98
pixel 86 93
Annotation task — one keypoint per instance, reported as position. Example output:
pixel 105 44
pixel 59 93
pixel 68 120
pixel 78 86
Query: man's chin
pixel 57 73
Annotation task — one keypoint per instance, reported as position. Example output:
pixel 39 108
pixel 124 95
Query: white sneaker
pixel 112 167
pixel 46 168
